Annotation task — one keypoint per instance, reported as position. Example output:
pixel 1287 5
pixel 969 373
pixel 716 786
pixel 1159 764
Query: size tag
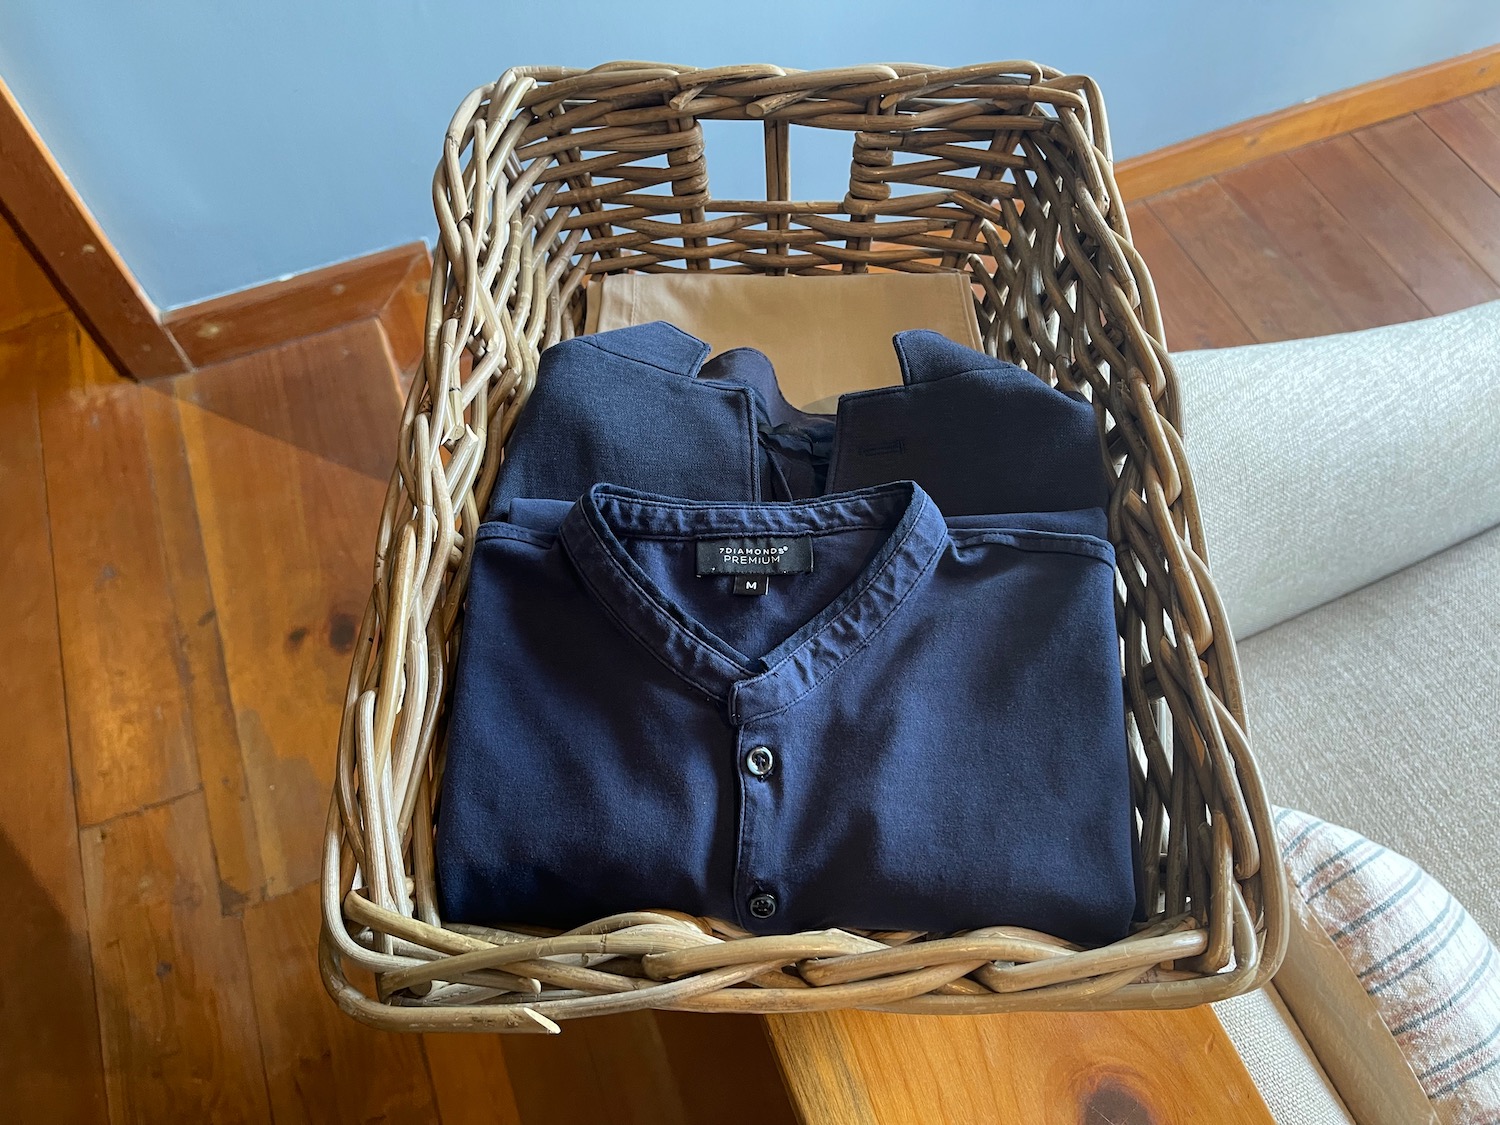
pixel 755 554
pixel 745 584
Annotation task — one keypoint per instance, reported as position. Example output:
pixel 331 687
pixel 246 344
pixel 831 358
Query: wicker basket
pixel 550 177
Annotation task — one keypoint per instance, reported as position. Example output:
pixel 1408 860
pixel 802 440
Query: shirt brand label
pixel 755 554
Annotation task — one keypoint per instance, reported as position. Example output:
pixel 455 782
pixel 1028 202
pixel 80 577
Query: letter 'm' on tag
pixel 757 586
pixel 755 554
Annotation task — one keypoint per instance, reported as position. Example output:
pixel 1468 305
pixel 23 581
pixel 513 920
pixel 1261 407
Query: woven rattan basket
pixel 551 177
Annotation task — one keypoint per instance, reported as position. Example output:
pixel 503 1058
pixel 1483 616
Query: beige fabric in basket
pixel 824 335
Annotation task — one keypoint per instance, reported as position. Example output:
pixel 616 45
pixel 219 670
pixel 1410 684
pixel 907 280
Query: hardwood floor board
pixel 1424 255
pixel 1452 192
pixel 471 1080
pixel 171 976
pixel 555 1081
pixel 290 449
pixel 657 1068
pixel 127 700
pixel 51 1069
pixel 323 1068
pixel 612 1070
pixel 26 292
pixel 209 708
pixel 404 320
pixel 1263 287
pixel 1471 128
pixel 725 1070
pixel 630 1059
pixel 1193 313
pixel 1491 98
pixel 1334 257
pixel 285 393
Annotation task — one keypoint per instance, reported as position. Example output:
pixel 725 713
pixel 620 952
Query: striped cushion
pixel 1433 974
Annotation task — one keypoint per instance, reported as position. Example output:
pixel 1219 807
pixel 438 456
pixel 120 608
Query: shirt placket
pixel 759 775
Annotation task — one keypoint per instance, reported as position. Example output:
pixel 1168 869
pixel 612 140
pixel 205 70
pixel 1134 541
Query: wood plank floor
pixel 187 562
pixel 1385 224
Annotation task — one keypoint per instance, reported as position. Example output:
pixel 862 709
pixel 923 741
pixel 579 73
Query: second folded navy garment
pixel 639 406
pixel 919 727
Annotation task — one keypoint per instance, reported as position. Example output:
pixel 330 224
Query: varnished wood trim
pixel 1298 125
pixel 63 236
pixel 41 203
pixel 247 321
pixel 404 318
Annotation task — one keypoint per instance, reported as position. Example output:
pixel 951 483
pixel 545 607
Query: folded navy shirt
pixel 918 727
pixel 639 406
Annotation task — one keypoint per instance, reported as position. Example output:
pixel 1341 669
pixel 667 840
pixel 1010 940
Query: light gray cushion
pixel 1381 711
pixel 1325 464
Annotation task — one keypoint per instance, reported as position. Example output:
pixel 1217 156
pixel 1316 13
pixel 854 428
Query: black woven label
pixel 755 554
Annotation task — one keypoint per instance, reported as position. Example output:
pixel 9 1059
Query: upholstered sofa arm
pixel 1325 464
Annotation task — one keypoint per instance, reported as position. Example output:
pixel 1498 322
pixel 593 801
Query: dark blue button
pixel 762 905
pixel 760 761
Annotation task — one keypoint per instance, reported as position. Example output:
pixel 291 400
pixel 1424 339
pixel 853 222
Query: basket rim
pixel 443 462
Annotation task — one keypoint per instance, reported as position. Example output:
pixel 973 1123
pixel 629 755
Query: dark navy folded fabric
pixel 638 406
pixel 919 729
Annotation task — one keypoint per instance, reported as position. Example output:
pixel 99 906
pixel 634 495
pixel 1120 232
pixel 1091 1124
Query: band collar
pixel 592 534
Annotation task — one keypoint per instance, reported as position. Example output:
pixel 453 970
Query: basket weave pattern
pixel 550 176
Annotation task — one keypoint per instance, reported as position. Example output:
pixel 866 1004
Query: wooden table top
pixel 1097 1068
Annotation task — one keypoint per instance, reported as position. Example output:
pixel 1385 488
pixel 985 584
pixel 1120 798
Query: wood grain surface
pixel 128 718
pixel 1443 183
pixel 1265 289
pixel 1378 204
pixel 1193 312
pixel 1471 128
pixel 614 1065
pixel 210 711
pixel 471 1079
pixel 290 450
pixel 50 1064
pixel 170 972
pixel 321 1067
pixel 403 318
pixel 1307 231
pixel 1135 1068
pixel 726 1071
pixel 29 293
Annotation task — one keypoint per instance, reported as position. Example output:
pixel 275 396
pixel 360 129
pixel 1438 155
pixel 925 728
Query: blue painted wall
pixel 222 145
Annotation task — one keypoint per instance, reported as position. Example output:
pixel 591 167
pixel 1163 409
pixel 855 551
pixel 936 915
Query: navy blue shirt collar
pixel 981 436
pixel 592 531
